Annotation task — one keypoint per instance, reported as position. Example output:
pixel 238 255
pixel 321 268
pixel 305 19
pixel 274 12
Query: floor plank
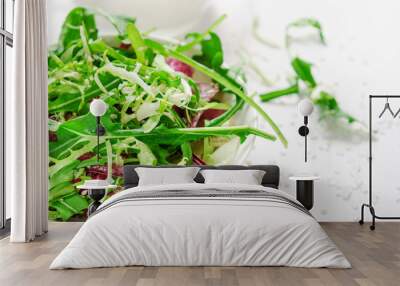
pixel 375 257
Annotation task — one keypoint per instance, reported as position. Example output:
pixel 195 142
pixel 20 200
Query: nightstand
pixel 305 190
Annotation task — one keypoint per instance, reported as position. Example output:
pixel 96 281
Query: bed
pixel 198 224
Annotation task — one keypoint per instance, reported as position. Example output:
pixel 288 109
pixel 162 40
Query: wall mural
pixel 169 102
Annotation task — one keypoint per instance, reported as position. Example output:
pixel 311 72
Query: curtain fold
pixel 27 135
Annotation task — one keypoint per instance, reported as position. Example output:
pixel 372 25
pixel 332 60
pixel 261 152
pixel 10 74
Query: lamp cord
pixel 305 137
pixel 98 140
pixel 305 149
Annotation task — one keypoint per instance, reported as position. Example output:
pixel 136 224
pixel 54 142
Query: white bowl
pixel 173 18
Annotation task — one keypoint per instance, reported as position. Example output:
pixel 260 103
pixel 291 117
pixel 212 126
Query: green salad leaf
pixel 71 29
pixel 212 55
pixel 137 42
pixel 329 107
pixel 303 71
pixel 307 22
pixel 197 37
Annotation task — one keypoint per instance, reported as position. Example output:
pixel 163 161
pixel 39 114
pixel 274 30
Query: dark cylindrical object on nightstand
pixel 305 193
pixel 96 195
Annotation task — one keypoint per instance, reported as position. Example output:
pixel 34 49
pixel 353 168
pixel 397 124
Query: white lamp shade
pixel 305 107
pixel 98 107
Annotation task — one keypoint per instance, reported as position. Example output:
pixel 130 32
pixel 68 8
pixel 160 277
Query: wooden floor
pixel 375 257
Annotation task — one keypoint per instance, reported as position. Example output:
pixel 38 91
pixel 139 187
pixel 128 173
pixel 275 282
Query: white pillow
pixel 164 176
pixel 243 177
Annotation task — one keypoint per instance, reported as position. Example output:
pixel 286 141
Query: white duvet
pixel 200 231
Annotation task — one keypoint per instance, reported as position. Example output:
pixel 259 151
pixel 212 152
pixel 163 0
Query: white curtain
pixel 26 120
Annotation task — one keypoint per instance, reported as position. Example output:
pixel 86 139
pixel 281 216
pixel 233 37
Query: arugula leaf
pixel 162 154
pixel 199 37
pixel 212 55
pixel 100 47
pixel 308 22
pixel 83 126
pixel 177 136
pixel 303 71
pixel 137 42
pixel 293 89
pixel 330 107
pixel 70 31
pixel 218 121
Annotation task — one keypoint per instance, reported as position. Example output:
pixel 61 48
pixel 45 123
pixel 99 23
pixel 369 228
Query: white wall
pixel 362 57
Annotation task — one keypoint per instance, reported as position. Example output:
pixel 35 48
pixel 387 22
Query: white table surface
pixel 89 187
pixel 304 178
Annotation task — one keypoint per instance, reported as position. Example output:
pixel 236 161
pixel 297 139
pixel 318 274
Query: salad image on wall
pixel 168 103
